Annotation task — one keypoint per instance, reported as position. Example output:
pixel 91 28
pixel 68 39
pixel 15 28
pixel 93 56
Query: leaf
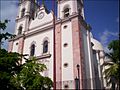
pixel 113 66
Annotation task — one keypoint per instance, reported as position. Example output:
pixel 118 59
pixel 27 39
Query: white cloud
pixel 8 10
pixel 105 36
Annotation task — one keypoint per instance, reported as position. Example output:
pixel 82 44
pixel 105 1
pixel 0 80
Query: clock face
pixel 40 15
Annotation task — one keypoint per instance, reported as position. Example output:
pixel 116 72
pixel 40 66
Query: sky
pixel 102 15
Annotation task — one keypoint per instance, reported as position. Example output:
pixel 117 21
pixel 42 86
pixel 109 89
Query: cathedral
pixel 64 43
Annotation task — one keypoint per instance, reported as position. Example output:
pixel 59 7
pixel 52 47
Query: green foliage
pixel 8 67
pixel 16 76
pixel 115 47
pixel 4 35
pixel 30 76
pixel 114 65
pixel 3 24
pixel 8 61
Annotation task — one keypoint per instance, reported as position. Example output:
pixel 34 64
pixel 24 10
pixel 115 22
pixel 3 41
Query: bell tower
pixel 69 7
pixel 71 41
pixel 25 14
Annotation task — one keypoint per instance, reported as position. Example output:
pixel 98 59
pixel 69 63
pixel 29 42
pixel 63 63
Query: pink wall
pixel 58 55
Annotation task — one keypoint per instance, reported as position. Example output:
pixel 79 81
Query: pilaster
pixel 58 56
pixel 77 52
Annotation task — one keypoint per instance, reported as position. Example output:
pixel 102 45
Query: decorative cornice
pixel 82 21
pixel 16 37
pixel 20 19
pixel 69 18
pixel 31 33
pixel 66 19
pixel 44 56
pixel 40 30
pixel 41 25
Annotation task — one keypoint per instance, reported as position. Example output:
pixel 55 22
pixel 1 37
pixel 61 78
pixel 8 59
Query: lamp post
pixel 78 66
pixel 76 83
pixel 77 80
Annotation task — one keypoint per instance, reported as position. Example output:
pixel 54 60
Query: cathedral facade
pixel 63 43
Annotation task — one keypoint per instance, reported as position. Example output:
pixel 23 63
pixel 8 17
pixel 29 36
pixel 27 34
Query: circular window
pixel 65 45
pixel 66 86
pixel 65 27
pixel 65 65
pixel 17 43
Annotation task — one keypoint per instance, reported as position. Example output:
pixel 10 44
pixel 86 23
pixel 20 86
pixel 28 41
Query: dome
pixel 96 44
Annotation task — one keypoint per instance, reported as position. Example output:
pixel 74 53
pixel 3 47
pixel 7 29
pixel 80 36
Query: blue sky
pixel 102 15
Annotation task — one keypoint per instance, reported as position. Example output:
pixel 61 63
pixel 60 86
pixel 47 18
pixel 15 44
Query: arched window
pixel 32 50
pixel 45 46
pixel 20 30
pixel 22 12
pixel 66 12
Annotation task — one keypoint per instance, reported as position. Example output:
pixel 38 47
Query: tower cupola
pixel 69 7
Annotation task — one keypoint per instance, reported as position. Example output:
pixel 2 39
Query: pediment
pixel 42 18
